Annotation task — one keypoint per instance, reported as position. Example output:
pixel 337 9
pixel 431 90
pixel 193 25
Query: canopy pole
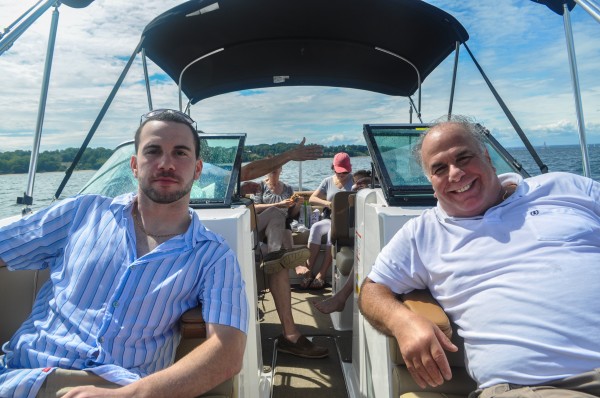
pixel 543 167
pixel 454 73
pixel 591 8
pixel 300 176
pixel 27 198
pixel 412 104
pixel 576 91
pixel 147 80
pixel 417 72
pixel 9 36
pixel 99 119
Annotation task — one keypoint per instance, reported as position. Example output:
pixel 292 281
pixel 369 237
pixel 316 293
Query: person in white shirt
pixel 514 262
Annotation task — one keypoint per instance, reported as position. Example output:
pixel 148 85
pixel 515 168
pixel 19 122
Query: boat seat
pixel 342 220
pixel 20 287
pixel 421 302
pixel 342 247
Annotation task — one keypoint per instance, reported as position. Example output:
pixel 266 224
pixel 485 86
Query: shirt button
pixel 101 339
pixel 115 304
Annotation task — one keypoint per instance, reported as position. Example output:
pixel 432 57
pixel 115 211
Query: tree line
pixel 261 151
pixel 16 162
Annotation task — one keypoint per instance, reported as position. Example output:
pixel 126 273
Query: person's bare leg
pixel 337 302
pixel 314 252
pixel 279 283
pixel 321 275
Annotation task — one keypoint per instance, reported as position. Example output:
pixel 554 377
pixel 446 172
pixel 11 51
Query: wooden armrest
pixel 192 324
pixel 422 303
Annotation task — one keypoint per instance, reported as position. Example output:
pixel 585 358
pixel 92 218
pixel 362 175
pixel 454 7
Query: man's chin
pixel 462 209
pixel 164 198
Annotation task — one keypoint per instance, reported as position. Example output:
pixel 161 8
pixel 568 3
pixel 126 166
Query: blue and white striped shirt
pixel 104 310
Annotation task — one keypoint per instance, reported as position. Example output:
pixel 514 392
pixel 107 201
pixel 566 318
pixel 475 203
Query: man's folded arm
pixel 215 360
pixel 421 342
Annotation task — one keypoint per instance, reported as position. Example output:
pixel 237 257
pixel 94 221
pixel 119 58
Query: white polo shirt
pixel 521 282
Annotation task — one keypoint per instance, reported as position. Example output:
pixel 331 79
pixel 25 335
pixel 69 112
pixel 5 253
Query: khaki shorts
pixel 584 385
pixel 61 381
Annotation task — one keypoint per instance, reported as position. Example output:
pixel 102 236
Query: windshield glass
pixel 400 174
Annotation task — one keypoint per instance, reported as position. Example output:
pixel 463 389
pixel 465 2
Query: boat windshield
pixel 222 157
pixel 400 175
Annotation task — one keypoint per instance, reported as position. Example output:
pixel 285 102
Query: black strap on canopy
pixel 513 121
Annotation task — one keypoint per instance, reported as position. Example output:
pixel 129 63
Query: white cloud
pixel 520 45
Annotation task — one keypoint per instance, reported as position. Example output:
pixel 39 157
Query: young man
pixel 122 272
pixel 514 262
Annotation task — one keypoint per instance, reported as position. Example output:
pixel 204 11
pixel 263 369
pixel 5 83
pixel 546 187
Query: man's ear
pixel 198 170
pixel 133 165
pixel 489 159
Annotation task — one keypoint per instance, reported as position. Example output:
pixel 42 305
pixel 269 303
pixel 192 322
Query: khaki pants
pixel 585 385
pixel 61 381
pixel 271 222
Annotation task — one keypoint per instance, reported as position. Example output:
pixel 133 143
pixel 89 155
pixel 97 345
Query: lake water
pixel 46 184
pixel 558 158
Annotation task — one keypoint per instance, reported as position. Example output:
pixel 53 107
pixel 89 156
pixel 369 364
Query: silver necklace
pixel 139 224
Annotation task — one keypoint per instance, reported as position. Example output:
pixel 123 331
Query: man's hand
pixel 422 344
pixel 96 392
pixel 249 188
pixel 305 152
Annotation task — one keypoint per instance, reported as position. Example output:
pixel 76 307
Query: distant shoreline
pixel 48 171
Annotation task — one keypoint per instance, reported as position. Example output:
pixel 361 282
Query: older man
pixel 514 262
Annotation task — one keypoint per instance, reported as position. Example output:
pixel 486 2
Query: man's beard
pixel 165 198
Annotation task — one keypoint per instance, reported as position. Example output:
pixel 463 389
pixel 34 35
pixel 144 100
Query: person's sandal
pixel 317 284
pixel 306 282
pixel 302 348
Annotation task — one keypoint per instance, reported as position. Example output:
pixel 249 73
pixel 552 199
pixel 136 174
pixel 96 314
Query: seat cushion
pixel 421 302
pixel 430 395
pixel 344 260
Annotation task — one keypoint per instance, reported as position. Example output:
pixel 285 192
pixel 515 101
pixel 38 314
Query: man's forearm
pixel 301 152
pixel 217 359
pixel 259 168
pixel 380 307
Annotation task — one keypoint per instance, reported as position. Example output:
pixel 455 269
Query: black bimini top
pixel 270 43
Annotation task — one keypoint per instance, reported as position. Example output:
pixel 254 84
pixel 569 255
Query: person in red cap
pixel 340 181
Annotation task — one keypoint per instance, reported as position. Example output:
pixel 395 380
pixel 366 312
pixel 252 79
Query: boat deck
pixel 300 377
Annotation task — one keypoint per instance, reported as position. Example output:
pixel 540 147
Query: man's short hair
pixel 169 116
pixel 362 173
pixel 475 130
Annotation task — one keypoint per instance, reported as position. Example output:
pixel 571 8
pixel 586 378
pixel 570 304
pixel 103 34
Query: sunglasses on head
pixel 157 112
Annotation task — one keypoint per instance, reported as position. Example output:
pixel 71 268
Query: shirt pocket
pixel 559 224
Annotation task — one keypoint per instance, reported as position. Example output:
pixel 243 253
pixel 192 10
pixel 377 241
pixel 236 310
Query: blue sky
pixel 520 45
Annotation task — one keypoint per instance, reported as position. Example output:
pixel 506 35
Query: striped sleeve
pixel 35 241
pixel 223 293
